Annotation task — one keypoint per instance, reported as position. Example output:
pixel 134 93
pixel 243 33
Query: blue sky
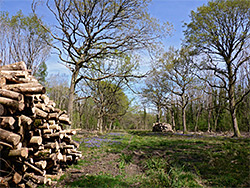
pixel 173 11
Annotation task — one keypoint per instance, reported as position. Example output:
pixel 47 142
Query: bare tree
pixel 99 29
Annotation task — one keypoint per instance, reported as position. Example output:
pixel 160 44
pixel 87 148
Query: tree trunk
pixel 173 120
pixel 184 120
pixel 183 109
pixel 232 104
pixel 209 120
pixel 72 92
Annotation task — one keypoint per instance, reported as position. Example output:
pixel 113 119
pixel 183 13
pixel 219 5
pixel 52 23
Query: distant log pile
pixel 34 147
pixel 162 127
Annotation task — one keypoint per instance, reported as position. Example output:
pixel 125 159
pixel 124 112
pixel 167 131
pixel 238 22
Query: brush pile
pixel 34 147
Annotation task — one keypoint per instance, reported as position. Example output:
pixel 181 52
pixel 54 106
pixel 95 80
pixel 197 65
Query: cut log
pixel 15 66
pixel 40 112
pixel 11 94
pixel 2 81
pixel 12 103
pixel 44 126
pixel 52 145
pixel 35 168
pixel 69 131
pixel 36 140
pixel 41 106
pixel 53 116
pixel 55 127
pixel 26 88
pixel 5 144
pixel 45 99
pixel 7 122
pixel 41 164
pixel 31 184
pixel 43 152
pixel 48 131
pixel 17 178
pixel 64 118
pixel 2 110
pixel 24 120
pixel 21 185
pixel 9 137
pixel 23 152
pixel 36 178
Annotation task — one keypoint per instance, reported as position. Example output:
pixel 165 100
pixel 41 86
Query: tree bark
pixel 183 109
pixel 72 92
pixel 232 104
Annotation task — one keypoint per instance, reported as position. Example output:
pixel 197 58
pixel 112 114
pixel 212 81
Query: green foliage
pixel 24 39
pixel 42 73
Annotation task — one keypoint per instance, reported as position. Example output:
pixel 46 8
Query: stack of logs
pixel 34 147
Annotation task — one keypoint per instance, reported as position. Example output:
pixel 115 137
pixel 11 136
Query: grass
pixel 167 160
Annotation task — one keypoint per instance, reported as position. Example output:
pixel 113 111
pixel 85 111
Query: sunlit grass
pixel 170 160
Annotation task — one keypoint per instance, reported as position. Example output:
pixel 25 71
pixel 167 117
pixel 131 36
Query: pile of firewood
pixel 34 147
pixel 162 127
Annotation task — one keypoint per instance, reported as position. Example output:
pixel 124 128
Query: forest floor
pixel 147 159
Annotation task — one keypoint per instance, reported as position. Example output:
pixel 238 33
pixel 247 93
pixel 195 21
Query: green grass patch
pixel 170 160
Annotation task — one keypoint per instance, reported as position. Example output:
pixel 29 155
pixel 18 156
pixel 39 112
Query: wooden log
pixel 69 131
pixel 26 88
pixel 41 164
pixel 69 158
pixel 37 179
pixel 31 184
pixel 2 110
pixel 15 66
pixel 52 145
pixel 48 131
pixel 40 112
pixel 7 122
pixel 43 152
pixel 9 137
pixel 64 119
pixel 68 147
pixel 52 103
pixel 2 82
pixel 56 134
pixel 53 116
pixel 5 144
pixel 40 106
pixel 36 140
pixel 74 143
pixel 51 122
pixel 17 178
pixel 21 185
pixel 23 152
pixel 55 127
pixel 35 168
pixel 50 108
pixel 45 99
pixel 24 120
pixel 11 94
pixel 12 103
pixel 44 126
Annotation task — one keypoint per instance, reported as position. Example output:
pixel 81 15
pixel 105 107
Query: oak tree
pixel 220 30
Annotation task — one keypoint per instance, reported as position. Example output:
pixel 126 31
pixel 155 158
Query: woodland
pixel 203 86
pixel 201 89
